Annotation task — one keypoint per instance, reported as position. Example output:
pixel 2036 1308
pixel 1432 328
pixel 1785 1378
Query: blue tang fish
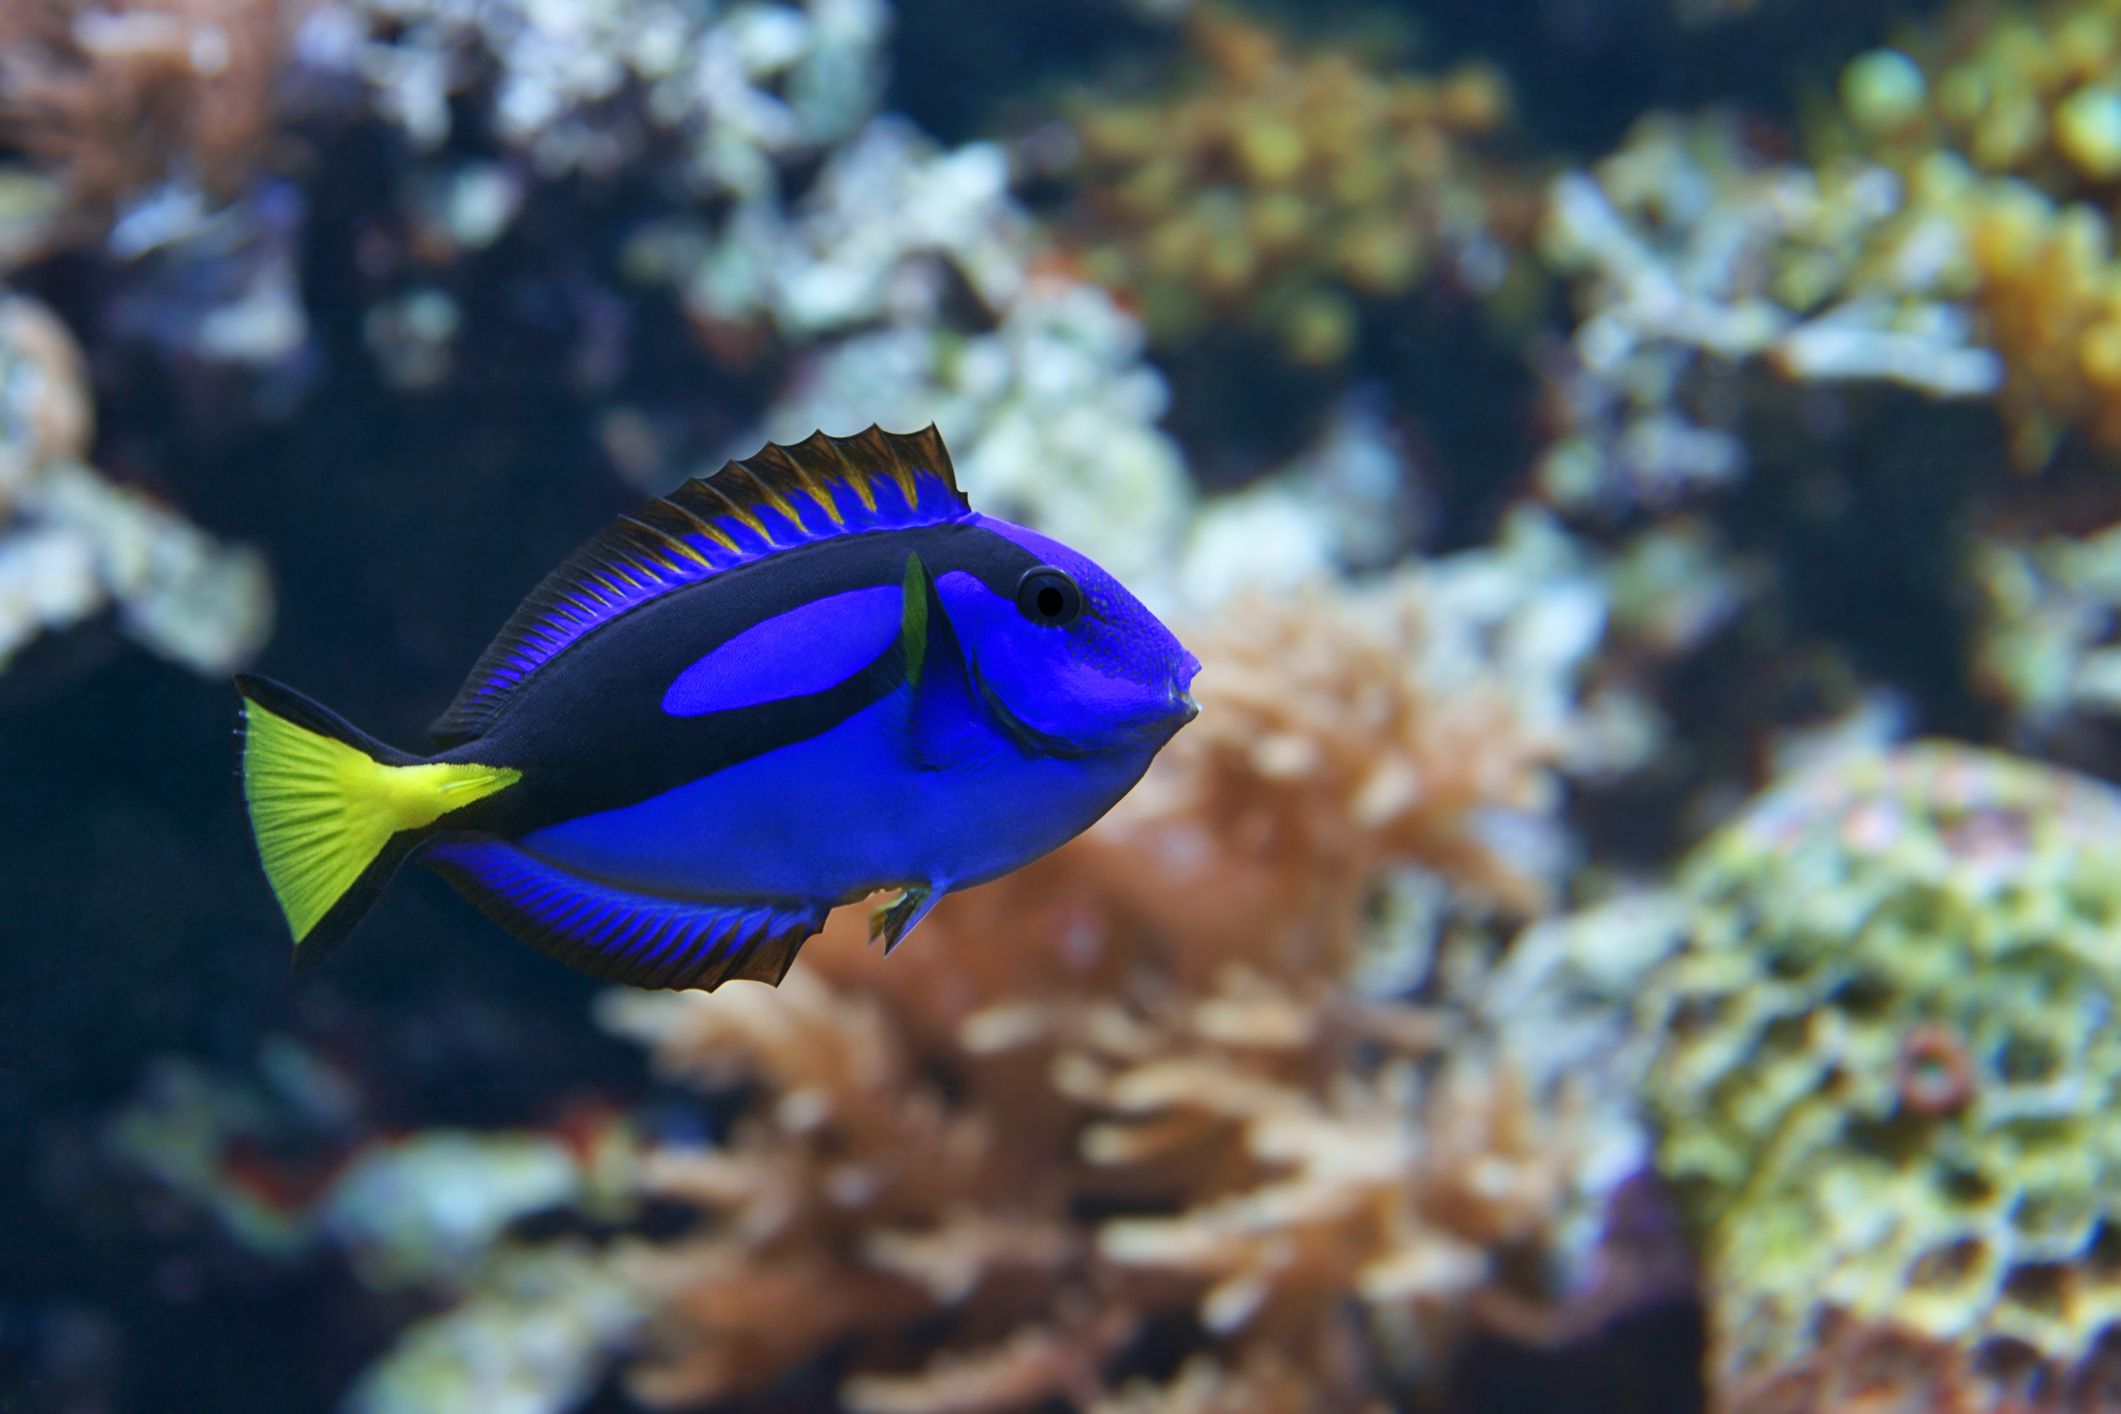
pixel 815 675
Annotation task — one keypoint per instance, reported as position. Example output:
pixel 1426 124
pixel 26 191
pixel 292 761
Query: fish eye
pixel 1048 596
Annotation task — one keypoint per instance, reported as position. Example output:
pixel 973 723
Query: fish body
pixel 816 675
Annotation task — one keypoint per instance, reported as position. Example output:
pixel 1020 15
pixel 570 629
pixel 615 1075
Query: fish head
pixel 1071 655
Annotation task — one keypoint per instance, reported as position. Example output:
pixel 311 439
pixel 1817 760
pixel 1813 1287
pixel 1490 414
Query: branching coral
pixel 119 100
pixel 1694 258
pixel 904 1174
pixel 1886 1082
pixel 1448 705
pixel 1279 187
pixel 826 265
pixel 1052 414
pixel 1042 389
pixel 734 89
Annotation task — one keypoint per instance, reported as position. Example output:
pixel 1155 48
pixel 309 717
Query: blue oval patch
pixel 807 649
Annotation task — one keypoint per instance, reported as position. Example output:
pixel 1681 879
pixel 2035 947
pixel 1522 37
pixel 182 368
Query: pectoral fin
pixel 894 920
pixel 947 724
pixel 956 715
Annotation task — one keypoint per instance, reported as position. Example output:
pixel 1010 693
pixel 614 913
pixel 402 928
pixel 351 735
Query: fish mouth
pixel 1184 705
pixel 1180 707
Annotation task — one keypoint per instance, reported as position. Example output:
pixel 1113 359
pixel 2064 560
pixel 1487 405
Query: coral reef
pixel 120 101
pixel 1051 417
pixel 1135 1084
pixel 1277 188
pixel 2011 115
pixel 728 90
pixel 1694 260
pixel 2021 90
pixel 1281 1088
pixel 826 265
pixel 1451 688
pixel 1885 1085
pixel 907 1169
pixel 1562 1006
pixel 2050 300
pixel 287 1162
pixel 534 1336
pixel 1044 395
pixel 73 544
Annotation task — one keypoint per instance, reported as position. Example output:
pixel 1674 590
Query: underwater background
pixel 1637 923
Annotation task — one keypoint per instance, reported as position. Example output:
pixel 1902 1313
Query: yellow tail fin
pixel 324 805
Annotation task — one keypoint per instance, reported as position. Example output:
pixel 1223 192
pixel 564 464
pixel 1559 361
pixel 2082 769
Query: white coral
pixel 581 87
pixel 73 544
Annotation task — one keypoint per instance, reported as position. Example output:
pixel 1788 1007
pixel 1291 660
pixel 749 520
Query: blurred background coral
pixel 1635 929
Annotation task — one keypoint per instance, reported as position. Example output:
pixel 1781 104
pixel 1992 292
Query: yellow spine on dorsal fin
pixel 323 810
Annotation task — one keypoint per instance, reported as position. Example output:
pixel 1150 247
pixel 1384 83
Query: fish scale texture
pixel 1889 1091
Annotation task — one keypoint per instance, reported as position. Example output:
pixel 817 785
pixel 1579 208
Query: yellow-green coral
pixel 1282 187
pixel 2025 90
pixel 2050 296
pixel 1889 1084
pixel 2013 115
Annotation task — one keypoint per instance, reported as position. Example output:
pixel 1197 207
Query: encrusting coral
pixel 1887 1083
pixel 1280 187
pixel 1131 1087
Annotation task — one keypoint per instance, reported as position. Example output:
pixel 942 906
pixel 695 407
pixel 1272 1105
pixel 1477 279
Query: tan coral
pixel 1100 1093
pixel 1262 1383
pixel 118 98
pixel 820 1200
pixel 2050 294
pixel 1263 826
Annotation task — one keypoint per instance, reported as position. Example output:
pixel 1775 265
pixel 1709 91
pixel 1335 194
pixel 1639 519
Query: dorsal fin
pixel 817 489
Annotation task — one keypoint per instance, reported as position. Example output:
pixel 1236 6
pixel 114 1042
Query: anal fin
pixel 639 939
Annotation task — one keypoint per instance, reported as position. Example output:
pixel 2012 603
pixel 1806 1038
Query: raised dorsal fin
pixel 816 489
